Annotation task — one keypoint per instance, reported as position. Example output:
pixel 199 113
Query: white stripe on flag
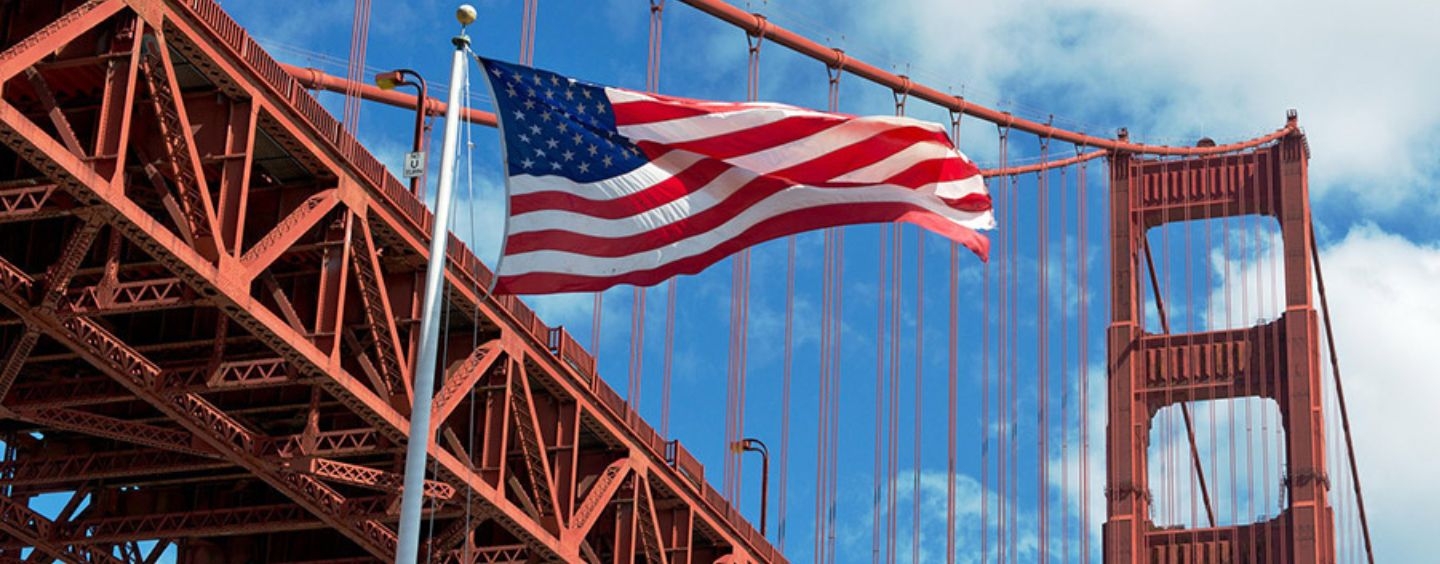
pixel 897 162
pixel 646 175
pixel 713 193
pixel 685 129
pixel 793 199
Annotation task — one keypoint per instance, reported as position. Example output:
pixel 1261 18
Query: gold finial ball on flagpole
pixel 466 14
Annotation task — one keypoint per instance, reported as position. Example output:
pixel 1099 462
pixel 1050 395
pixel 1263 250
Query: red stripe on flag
pixel 647 111
pixel 973 202
pixel 687 181
pixel 779 226
pixel 840 161
pixel 665 108
pixel 758 138
pixel 933 170
pixel 751 193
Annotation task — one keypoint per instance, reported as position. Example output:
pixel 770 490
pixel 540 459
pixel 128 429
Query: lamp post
pixel 397 77
pixel 417 451
pixel 755 445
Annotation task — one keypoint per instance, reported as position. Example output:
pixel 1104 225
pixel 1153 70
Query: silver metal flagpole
pixel 416 454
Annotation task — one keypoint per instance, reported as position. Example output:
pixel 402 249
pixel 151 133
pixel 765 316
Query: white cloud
pixel 1360 74
pixel 1387 319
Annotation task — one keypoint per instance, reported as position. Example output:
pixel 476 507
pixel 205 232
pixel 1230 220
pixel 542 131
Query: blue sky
pixel 1170 72
pixel 1361 77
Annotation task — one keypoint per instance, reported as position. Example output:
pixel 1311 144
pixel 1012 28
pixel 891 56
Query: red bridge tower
pixel 1279 360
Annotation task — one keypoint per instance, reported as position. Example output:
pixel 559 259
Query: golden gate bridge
pixel 210 289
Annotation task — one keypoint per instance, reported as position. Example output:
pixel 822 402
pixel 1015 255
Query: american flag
pixel 610 186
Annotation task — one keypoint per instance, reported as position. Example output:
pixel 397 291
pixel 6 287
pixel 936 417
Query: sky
pixel 1360 76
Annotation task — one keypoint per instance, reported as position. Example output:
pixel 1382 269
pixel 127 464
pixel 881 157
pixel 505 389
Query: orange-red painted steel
pixel 208 293
pixel 208 296
pixel 1278 360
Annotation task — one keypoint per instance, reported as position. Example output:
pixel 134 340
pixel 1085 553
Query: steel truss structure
pixel 209 295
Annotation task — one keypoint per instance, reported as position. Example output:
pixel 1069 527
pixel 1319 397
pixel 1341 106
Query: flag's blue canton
pixel 559 126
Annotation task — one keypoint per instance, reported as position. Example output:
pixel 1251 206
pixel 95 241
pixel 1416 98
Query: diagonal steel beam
pixel 253 373
pixel 50 38
pixel 25 202
pixel 181 158
pixel 57 277
pixel 36 530
pixel 533 449
pixel 370 478
pixel 52 109
pixel 228 57
pixel 48 471
pixel 190 524
pixel 220 432
pixel 346 442
pixel 284 235
pixel 504 554
pixel 15 360
pixel 465 376
pixel 124 297
pixel 648 522
pixel 378 316
pixel 65 392
pixel 116 429
pixel 601 494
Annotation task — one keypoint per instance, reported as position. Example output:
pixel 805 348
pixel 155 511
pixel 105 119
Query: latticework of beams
pixel 232 301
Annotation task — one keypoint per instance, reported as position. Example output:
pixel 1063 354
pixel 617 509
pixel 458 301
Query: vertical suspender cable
pixel 1227 187
pixel 952 340
pixel 1083 356
pixel 1014 417
pixel 919 395
pixel 827 422
pixel 1245 319
pixel 639 293
pixel 637 348
pixel 1186 363
pixel 821 445
pixel 355 72
pixel 915 493
pixel 1272 208
pixel 669 361
pixel 657 20
pixel 599 305
pixel 1042 415
pixel 1064 379
pixel 878 473
pixel 1208 186
pixel 740 313
pixel 786 370
pixel 527 32
pixel 837 279
pixel 1002 366
pixel 1340 397
pixel 897 246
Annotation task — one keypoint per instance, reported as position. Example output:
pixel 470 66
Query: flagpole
pixel 416 452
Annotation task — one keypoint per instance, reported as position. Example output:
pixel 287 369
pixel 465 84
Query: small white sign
pixel 414 164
